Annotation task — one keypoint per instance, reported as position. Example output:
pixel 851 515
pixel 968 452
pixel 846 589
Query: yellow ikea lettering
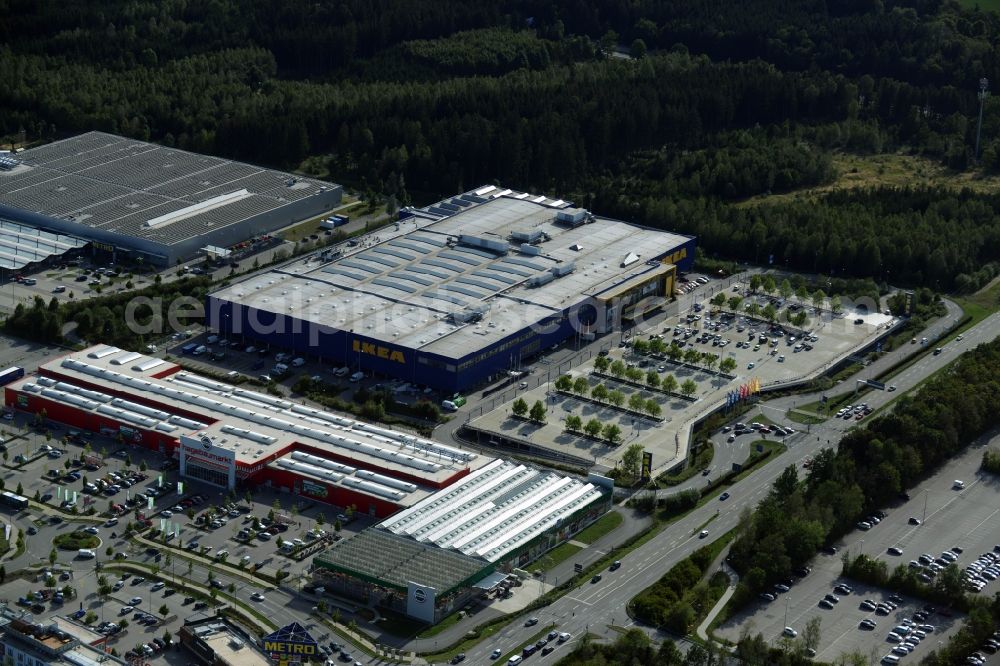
pixel 372 349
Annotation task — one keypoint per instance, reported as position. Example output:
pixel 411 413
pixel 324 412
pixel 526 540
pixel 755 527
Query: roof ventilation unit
pixel 527 236
pixel 531 250
pixel 572 217
pixel 491 244
pixel 562 269
pixel 629 259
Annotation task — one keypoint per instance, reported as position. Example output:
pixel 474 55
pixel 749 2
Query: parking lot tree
pixel 593 427
pixel 601 363
pixel 811 633
pixel 755 282
pixel 754 309
pixel 709 360
pixel 142 466
pixel 122 623
pixel 636 402
pixel 657 346
pixel 163 610
pixel 231 588
pixel 689 388
pixel 612 433
pixel 537 413
pixel 50 581
pixel 653 408
pixel 633 374
pixel 669 384
pixel 835 304
pixel 692 356
pixel 801 319
pixel 519 408
pixel 652 379
pixel 109 551
pixel 727 364
pixel 90 617
pixel 38 496
pixel 574 423
pixel 600 393
pixel 674 352
pixel 190 567
pixel 785 289
pixel 564 383
pixel 769 284
pixel 631 460
pixel 581 386
pixel 719 300
pixel 770 312
pixel 640 346
pixel 20 488
pixel 616 398
pixel 734 302
pixel 818 297
pixel 320 519
pixel 617 369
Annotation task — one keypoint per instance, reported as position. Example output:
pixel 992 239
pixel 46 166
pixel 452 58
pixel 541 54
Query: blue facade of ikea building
pixel 476 288
pixel 369 355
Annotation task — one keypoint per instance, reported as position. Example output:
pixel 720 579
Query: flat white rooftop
pixel 495 510
pixel 255 426
pixel 507 258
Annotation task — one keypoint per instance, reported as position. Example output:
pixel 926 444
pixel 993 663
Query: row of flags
pixel 752 387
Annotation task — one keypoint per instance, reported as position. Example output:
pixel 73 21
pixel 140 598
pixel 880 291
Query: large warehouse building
pixel 229 436
pixel 142 202
pixel 431 559
pixel 462 291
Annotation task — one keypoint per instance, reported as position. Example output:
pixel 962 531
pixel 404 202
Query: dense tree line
pixel 678 599
pixel 634 648
pixel 917 236
pixel 113 319
pixel 869 469
pixel 433 97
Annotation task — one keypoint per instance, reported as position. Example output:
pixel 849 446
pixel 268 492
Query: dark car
pixel 200 605
pixel 460 657
pixel 188 600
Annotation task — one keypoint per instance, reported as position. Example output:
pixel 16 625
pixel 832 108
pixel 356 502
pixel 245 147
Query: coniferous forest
pixel 666 112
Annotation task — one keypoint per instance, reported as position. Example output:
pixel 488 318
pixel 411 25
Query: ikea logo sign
pixel 289 648
pixel 371 349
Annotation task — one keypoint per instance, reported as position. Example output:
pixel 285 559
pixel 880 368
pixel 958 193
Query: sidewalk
pixel 702 631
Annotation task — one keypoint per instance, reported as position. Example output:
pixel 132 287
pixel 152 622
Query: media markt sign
pixel 290 643
pixel 313 489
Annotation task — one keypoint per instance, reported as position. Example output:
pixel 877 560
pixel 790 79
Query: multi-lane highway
pixel 596 607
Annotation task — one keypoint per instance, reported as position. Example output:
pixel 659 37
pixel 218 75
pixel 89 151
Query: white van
pixel 514 661
pixel 342 372
pixel 279 369
pixel 298 362
pixel 212 339
pixel 449 405
pixel 86 554
pixel 281 357
pixel 357 376
pixel 199 350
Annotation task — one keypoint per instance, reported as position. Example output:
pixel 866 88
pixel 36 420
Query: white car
pixel 166 513
pixel 791 633
pixel 257 596
pixel 157 586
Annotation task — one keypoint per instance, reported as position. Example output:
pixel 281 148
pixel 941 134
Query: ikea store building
pixel 458 293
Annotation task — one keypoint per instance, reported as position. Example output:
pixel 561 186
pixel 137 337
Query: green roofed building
pixel 462 542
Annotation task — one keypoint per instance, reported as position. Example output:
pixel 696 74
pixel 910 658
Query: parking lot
pixel 757 350
pixel 961 518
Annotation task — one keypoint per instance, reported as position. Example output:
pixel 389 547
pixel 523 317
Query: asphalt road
pixel 595 608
